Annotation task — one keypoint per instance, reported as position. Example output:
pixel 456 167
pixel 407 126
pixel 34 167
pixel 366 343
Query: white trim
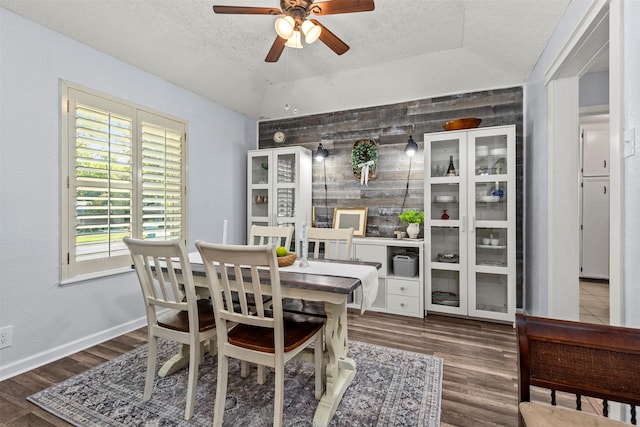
pixel 97 275
pixel 569 54
pixel 616 160
pixel 594 110
pixel 32 362
pixel 564 201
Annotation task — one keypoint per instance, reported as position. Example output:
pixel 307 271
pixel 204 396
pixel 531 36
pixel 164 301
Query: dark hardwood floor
pixel 479 380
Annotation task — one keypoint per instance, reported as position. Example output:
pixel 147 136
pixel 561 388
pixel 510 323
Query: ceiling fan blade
pixel 247 10
pixel 331 40
pixel 332 7
pixel 276 50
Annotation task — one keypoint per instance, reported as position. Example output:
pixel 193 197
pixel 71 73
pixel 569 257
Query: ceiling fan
pixel 293 22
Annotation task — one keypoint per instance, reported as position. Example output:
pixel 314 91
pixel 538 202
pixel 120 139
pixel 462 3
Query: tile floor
pixel 594 301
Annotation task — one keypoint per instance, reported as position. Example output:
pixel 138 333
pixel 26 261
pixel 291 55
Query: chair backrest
pixel 263 235
pixel 335 242
pixel 156 263
pixel 586 359
pixel 242 275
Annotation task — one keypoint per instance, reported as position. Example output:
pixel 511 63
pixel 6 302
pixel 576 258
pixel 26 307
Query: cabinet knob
pixel 402 304
pixel 402 288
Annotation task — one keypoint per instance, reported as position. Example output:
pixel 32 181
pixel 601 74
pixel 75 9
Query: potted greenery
pixel 414 219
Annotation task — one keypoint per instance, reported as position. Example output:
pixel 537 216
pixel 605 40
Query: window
pixel 123 175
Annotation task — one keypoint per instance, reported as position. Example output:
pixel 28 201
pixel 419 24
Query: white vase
pixel 413 229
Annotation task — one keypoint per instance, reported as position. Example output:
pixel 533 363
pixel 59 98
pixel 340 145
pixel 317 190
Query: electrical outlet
pixel 6 336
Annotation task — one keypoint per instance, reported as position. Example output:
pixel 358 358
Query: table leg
pixel 181 359
pixel 178 361
pixel 340 369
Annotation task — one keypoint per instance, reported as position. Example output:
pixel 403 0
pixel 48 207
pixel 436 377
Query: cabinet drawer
pixel 403 287
pixel 403 305
pixel 373 253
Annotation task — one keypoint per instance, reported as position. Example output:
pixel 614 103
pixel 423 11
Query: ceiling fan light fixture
pixel 294 40
pixel 285 26
pixel 311 31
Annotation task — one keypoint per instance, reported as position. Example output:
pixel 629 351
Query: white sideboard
pixel 398 293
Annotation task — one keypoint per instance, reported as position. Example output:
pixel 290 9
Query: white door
pixel 595 228
pixel 595 149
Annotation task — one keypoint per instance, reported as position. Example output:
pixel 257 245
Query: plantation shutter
pixel 101 182
pixel 162 168
pixel 123 176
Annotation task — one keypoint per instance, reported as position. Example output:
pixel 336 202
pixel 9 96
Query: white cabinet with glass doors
pixel 279 188
pixel 470 226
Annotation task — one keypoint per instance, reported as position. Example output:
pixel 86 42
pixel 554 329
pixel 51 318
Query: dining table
pixel 326 281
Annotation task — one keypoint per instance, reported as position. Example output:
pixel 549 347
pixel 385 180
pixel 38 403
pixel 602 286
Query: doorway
pixel 598 33
pixel 594 203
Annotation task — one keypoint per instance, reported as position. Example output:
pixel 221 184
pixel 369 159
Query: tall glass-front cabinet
pixel 470 222
pixel 279 188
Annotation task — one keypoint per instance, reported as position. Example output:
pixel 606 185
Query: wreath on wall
pixel 364 157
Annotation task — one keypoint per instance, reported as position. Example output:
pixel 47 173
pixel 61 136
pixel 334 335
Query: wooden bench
pixel 583 359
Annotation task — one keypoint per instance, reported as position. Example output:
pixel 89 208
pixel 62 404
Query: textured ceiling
pixel 404 49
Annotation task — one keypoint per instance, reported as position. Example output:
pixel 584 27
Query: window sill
pixel 97 275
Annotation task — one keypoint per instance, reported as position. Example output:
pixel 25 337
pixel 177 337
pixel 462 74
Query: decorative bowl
pixel 445 298
pixel 486 241
pixel 490 199
pixel 482 151
pixel 286 260
pixel 464 123
pixel 452 258
pixel 444 199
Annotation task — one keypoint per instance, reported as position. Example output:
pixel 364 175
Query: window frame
pixel 72 270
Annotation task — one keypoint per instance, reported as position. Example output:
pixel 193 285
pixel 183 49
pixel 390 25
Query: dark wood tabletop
pixel 317 282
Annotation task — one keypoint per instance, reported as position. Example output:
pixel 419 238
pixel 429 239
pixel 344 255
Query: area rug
pixel 391 388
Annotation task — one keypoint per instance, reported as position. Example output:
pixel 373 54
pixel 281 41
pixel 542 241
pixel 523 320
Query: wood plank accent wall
pixel 390 126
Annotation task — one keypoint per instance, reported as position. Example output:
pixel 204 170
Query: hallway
pixel 594 301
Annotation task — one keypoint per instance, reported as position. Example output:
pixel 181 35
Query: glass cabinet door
pixel 259 196
pixel 285 188
pixel 491 230
pixel 445 219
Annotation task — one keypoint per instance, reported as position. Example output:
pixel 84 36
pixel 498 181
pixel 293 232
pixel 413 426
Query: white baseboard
pixel 40 359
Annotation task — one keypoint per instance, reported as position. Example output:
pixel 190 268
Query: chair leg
pixel 194 363
pixel 278 398
pixel 262 374
pixel 221 390
pixel 244 368
pixel 152 357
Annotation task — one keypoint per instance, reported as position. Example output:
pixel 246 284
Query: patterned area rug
pixel 391 388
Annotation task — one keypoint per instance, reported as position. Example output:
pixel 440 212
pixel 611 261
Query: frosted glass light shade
pixel 284 26
pixel 294 40
pixel 311 31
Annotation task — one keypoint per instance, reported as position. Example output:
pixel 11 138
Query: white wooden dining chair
pixel 330 243
pixel 263 235
pixel 184 319
pixel 265 336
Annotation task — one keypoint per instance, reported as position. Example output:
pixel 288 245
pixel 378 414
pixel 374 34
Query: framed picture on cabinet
pixel 351 217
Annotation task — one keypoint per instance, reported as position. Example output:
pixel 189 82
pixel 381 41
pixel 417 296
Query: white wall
pixel 537 165
pixel 632 164
pixel 51 320
pixel 594 89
